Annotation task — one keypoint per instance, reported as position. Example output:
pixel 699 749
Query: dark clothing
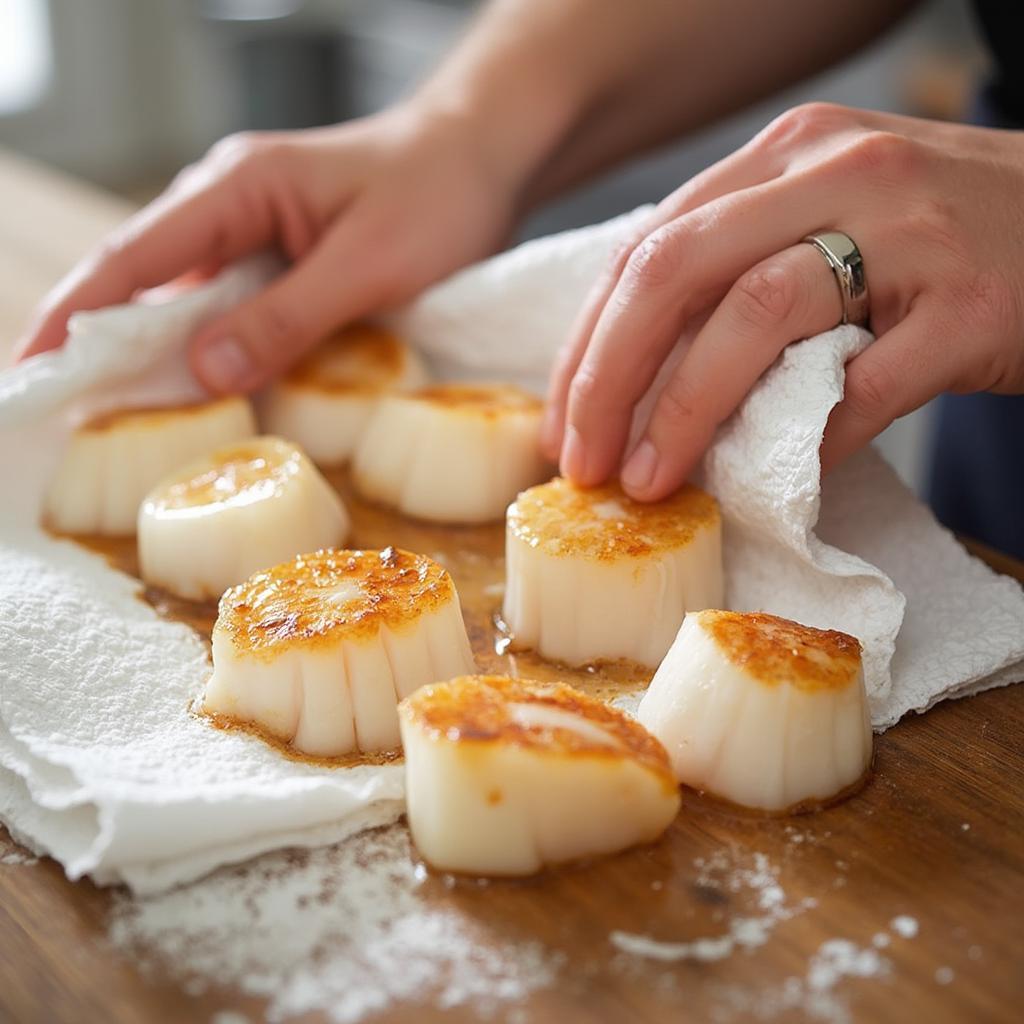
pixel 977 469
pixel 1002 24
pixel 977 479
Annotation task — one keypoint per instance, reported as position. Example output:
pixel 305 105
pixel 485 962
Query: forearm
pixel 714 69
pixel 557 90
pixel 527 72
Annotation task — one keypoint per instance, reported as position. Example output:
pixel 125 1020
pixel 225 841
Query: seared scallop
pixel 504 776
pixel 318 651
pixel 249 504
pixel 325 402
pixel 593 575
pixel 761 711
pixel 111 462
pixel 455 453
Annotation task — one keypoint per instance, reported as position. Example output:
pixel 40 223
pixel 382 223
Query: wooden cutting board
pixel 937 835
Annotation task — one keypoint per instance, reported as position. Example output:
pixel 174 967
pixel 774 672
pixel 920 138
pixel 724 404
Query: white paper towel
pixel 102 766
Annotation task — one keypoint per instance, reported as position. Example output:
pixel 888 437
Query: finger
pixel 344 277
pixel 896 374
pixel 211 225
pixel 568 358
pixel 786 297
pixel 742 169
pixel 681 268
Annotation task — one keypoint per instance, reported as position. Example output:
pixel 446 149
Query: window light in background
pixel 26 54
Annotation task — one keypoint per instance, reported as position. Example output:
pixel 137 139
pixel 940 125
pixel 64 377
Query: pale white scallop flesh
pixel 592 575
pixel 317 652
pixel 326 401
pixel 250 504
pixel 761 711
pixel 451 453
pixel 112 462
pixel 505 777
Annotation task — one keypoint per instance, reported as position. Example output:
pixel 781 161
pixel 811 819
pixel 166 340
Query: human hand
pixel 368 213
pixel 936 212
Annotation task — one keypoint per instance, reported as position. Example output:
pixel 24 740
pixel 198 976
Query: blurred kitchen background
pixel 124 92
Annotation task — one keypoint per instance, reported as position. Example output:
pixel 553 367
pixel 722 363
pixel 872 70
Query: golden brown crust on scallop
pixel 605 524
pixel 264 462
pixel 151 417
pixel 476 709
pixel 487 401
pixel 357 358
pixel 774 650
pixel 321 599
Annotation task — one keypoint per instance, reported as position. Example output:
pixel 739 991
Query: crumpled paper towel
pixel 101 766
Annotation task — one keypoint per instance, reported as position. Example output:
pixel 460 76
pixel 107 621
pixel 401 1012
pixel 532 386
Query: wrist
pixel 510 126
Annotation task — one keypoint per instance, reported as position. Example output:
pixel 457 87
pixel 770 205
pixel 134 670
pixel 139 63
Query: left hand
pixel 937 213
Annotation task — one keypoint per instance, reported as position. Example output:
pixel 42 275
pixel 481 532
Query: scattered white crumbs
pixel 840 958
pixel 904 926
pixel 974 952
pixel 794 835
pixel 745 932
pixel 944 975
pixel 813 997
pixel 347 931
pixel 761 906
pixel 965 827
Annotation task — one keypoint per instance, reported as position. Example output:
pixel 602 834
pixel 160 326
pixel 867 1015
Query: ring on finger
pixel 843 257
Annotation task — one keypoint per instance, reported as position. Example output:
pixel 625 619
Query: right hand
pixel 368 213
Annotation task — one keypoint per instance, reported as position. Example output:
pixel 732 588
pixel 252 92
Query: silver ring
pixel 843 256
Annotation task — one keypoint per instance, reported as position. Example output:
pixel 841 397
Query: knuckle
pixel 804 122
pixel 185 179
pixel 867 392
pixel 766 295
pixel 677 404
pixel 241 152
pixel 656 261
pixel 882 154
pixel 235 147
pixel 273 330
pixel 620 257
pixel 586 389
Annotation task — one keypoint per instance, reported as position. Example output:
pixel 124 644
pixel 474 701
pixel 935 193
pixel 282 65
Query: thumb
pixel 258 339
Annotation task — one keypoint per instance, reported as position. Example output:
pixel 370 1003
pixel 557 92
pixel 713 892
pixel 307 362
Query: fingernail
pixel 638 473
pixel 573 462
pixel 224 364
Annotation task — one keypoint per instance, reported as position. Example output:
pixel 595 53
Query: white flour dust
pixel 904 926
pixel 748 932
pixel 813 995
pixel 345 930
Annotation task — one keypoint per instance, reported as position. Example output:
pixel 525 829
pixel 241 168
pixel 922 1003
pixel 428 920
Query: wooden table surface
pixel 936 835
